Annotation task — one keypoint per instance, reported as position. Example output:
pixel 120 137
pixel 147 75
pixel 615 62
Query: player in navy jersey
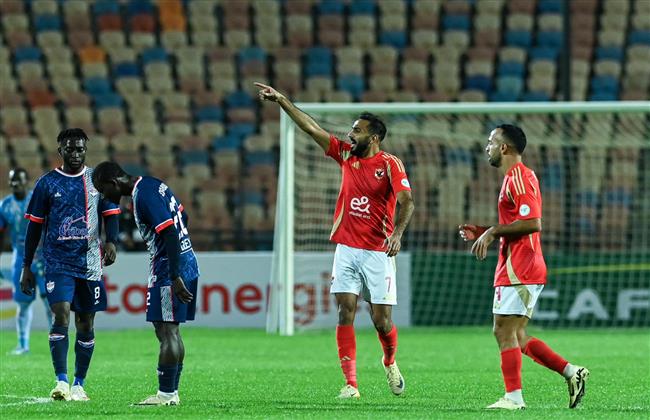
pixel 173 274
pixel 66 204
pixel 12 210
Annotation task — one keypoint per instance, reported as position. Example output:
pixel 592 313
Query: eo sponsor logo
pixel 360 204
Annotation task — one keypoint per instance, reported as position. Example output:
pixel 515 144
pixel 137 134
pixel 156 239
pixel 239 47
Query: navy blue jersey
pixel 155 208
pixel 70 207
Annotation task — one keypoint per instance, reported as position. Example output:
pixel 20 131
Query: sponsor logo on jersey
pixel 68 230
pixel 379 173
pixel 524 210
pixel 360 204
pixel 49 286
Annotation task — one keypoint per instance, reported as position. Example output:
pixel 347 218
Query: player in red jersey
pixel 366 237
pixel 520 275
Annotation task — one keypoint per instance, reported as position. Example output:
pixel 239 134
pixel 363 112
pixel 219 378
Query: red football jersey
pixel 366 204
pixel 520 258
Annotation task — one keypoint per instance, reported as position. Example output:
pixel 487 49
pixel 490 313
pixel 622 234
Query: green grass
pixel 450 373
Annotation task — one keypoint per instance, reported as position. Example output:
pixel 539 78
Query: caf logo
pixel 379 173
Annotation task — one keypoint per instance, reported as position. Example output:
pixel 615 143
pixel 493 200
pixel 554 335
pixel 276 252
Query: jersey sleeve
pixel 154 210
pixel 526 195
pixel 39 205
pixel 397 175
pixel 338 150
pixel 108 208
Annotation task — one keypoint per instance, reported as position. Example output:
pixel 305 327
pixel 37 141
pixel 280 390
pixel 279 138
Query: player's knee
pixel 346 314
pixel 382 323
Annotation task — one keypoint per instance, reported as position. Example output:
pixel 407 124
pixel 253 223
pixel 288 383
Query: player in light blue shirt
pixel 173 274
pixel 69 210
pixel 12 211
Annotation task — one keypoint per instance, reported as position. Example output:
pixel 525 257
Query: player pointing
pixel 367 237
pixel 521 271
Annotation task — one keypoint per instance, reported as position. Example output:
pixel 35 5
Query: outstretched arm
pixel 303 120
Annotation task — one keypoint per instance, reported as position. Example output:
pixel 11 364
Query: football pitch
pixel 449 373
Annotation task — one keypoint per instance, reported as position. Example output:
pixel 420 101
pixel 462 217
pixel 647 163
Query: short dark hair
pixel 375 124
pixel 107 171
pixel 71 134
pixel 514 135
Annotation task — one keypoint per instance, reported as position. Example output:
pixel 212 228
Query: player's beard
pixel 360 149
pixel 495 161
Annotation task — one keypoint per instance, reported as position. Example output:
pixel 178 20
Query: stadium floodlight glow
pixel 570 148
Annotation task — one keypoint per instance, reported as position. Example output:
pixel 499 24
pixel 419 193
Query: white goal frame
pixel 280 314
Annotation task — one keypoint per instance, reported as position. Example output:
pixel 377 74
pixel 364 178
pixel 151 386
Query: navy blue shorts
pixel 164 306
pixel 83 295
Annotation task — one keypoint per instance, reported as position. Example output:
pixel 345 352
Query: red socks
pixel 347 345
pixel 511 368
pixel 389 344
pixel 544 355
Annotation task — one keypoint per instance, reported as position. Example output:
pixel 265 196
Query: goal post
pixel 593 161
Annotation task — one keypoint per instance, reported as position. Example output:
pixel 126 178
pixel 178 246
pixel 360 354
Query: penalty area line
pixel 27 400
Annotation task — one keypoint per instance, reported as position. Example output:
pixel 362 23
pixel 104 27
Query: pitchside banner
pixel 233 292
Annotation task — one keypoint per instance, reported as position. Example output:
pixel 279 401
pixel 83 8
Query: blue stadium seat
pixel 604 84
pixel 136 7
pixel 330 7
pixel 550 39
pixel 543 53
pixel 456 22
pixel 498 96
pixel 458 155
pixel 587 199
pixel 619 197
pixel 47 23
pixel 351 83
pixel 239 99
pixel 126 69
pixel 209 113
pixel 535 97
pixel 242 130
pixel 511 68
pixel 586 225
pixel 106 7
pixel 195 157
pixel 550 6
pixel 318 69
pixel 479 82
pixel 519 38
pixel 603 96
pixel 154 54
pixel 227 142
pixel 362 7
pixel 319 61
pixel 108 100
pixel 253 197
pixel 511 85
pixel 97 86
pixel 22 54
pixel 639 37
pixel 251 54
pixel 553 177
pixel 610 53
pixel 259 158
pixel 397 39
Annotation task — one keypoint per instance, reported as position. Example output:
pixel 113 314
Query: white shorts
pixel 516 300
pixel 370 274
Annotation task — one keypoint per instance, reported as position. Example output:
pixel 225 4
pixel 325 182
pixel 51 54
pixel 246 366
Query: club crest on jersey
pixel 49 286
pixel 379 173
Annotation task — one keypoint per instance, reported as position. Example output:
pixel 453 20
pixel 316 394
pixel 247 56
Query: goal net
pixel 593 163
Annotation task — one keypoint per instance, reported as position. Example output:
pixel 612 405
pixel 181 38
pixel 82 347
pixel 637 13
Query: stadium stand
pixel 168 84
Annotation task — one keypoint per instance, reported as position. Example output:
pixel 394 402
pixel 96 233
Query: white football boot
pixel 160 398
pixel 394 378
pixel 61 391
pixel 348 391
pixel 506 404
pixel 77 393
pixel 576 385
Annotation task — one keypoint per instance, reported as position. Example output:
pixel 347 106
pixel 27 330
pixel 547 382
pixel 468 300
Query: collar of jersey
pixel 60 170
pixel 515 166
pixel 135 185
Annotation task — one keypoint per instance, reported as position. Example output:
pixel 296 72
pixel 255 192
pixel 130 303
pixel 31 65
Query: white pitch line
pixel 28 400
